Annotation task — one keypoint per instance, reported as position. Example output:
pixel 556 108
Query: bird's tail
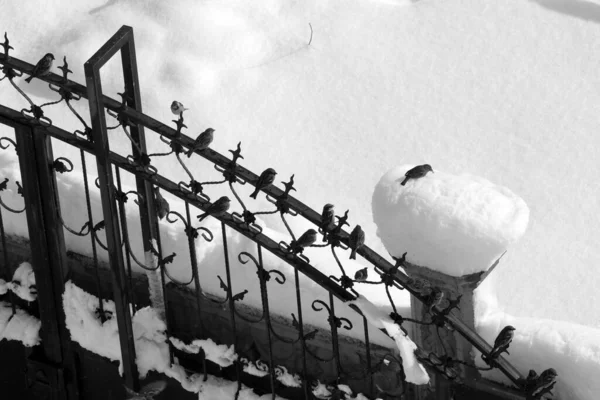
pixel 189 153
pixel 202 216
pixel 405 180
pixel 253 195
pixel 29 79
pixel 353 254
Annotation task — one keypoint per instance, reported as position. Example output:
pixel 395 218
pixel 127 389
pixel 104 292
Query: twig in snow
pixel 311 34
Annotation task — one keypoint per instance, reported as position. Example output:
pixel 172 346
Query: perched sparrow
pixel 161 205
pixel 361 275
pixel 42 68
pixel 502 342
pixel 202 141
pixel 546 378
pixel 177 108
pixel 147 392
pixel 436 299
pixel 356 240
pixel 308 238
pixel 220 206
pixel 417 172
pixel 327 219
pixel 265 179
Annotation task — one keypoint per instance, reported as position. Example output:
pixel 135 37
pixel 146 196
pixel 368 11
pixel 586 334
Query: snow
pixel 572 350
pixel 19 326
pixel 454 224
pixel 414 371
pixel 23 282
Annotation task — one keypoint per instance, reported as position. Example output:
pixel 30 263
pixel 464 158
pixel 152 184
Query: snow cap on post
pixel 456 225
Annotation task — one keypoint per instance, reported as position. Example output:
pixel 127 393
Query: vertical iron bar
pixel 163 287
pixel 110 212
pixel 123 217
pixel 231 308
pixel 305 388
pixel 198 289
pixel 368 348
pixel 49 258
pixel 265 302
pixel 6 268
pixel 334 339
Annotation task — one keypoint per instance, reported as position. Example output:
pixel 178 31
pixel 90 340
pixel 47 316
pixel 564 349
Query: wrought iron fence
pixel 39 168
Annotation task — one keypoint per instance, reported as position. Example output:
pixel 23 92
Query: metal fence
pixel 33 132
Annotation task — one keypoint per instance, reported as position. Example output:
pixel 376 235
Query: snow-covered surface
pixel 454 224
pixel 22 283
pixel 572 350
pixel 20 326
pixel 415 372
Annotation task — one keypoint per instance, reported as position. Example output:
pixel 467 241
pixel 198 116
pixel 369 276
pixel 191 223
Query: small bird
pixel 502 342
pixel 42 68
pixel 220 206
pixel 436 299
pixel 545 380
pixel 417 172
pixel 161 205
pixel 307 239
pixel 177 108
pixel 356 240
pixel 202 142
pixel 327 219
pixel 361 275
pixel 265 179
pixel 147 392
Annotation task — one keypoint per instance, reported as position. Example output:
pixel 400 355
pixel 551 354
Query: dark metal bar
pixel 48 259
pixel 369 374
pixel 109 207
pixel 305 388
pixel 334 338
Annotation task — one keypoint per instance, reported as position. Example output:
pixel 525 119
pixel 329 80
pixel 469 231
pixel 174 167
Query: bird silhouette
pixel 177 108
pixel 327 219
pixel 220 206
pixel 202 142
pixel 42 68
pixel 307 239
pixel 502 342
pixel 265 179
pixel 147 392
pixel 361 275
pixel 417 172
pixel 161 205
pixel 356 240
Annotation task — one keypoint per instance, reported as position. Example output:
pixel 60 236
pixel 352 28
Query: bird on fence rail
pixel 147 392
pixel 220 206
pixel 307 239
pixel 543 383
pixel 327 219
pixel 435 299
pixel 42 68
pixel 177 108
pixel 417 172
pixel 202 142
pixel 160 204
pixel 501 343
pixel 356 240
pixel 361 275
pixel 265 179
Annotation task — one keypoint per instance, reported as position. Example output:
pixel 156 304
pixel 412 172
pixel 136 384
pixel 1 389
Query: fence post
pixel 121 295
pixel 51 369
pixel 440 340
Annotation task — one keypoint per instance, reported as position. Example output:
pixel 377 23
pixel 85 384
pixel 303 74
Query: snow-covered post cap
pixel 454 224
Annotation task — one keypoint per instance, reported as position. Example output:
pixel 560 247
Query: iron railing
pixel 32 125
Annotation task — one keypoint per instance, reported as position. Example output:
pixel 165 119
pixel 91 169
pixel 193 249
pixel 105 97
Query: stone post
pixel 452 344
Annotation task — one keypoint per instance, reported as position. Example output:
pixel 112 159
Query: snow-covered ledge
pixel 454 230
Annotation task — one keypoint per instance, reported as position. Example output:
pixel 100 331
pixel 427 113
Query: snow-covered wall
pixel 457 225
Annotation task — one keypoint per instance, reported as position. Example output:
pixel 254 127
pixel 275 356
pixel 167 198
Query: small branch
pixel 311 34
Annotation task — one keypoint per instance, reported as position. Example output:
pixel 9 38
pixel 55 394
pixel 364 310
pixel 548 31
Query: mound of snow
pixel 457 225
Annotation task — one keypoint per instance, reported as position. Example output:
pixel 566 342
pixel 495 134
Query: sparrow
pixel 161 205
pixel 361 275
pixel 42 68
pixel 307 239
pixel 417 172
pixel 265 179
pixel 502 342
pixel 220 206
pixel 202 142
pixel 177 108
pixel 546 378
pixel 327 219
pixel 147 392
pixel 356 240
pixel 436 299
